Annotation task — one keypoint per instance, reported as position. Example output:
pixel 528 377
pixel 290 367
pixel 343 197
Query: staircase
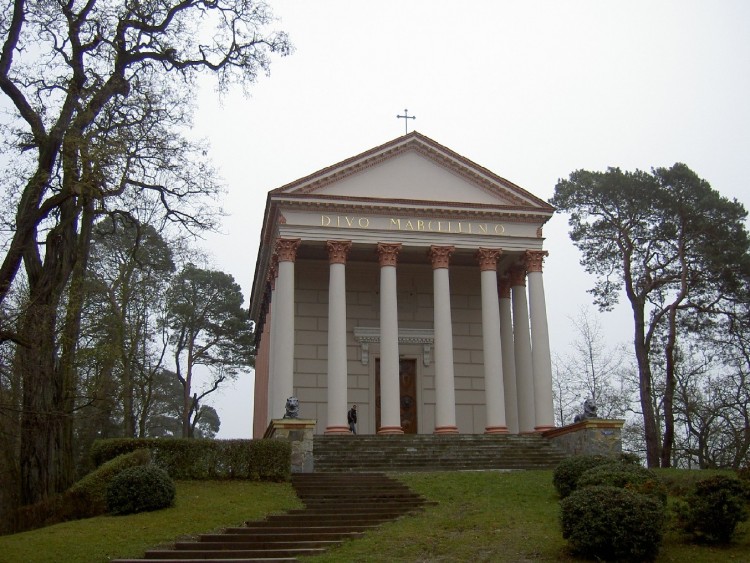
pixel 425 452
pixel 337 507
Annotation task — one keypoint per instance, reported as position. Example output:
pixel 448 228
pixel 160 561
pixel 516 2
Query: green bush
pixel 89 494
pixel 566 475
pixel 712 510
pixel 610 524
pixel 86 498
pixel 630 458
pixel 104 450
pixel 267 460
pixel 625 476
pixel 140 489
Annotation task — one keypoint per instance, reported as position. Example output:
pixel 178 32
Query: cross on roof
pixel 406 117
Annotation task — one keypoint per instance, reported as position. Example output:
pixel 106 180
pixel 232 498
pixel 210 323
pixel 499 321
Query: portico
pixel 407 280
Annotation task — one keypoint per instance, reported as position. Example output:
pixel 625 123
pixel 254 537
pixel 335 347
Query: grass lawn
pixel 494 517
pixel 480 516
pixel 200 506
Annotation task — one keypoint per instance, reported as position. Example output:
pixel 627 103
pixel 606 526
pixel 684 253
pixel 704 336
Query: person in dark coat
pixel 351 418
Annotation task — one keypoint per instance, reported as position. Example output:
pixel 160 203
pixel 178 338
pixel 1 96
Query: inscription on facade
pixel 416 225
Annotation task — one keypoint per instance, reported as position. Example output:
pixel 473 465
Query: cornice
pixel 438 210
pixel 461 166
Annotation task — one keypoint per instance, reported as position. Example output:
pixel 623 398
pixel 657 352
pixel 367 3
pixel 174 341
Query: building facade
pixel 407 280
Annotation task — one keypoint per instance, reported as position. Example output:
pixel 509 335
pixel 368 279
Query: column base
pixel 446 430
pixel 496 430
pixel 337 430
pixel 543 428
pixel 391 430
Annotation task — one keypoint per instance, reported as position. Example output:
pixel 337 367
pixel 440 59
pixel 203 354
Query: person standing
pixel 351 417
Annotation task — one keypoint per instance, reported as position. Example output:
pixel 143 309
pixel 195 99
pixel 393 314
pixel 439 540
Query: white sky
pixel 531 90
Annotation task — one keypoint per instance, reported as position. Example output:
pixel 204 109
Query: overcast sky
pixel 531 90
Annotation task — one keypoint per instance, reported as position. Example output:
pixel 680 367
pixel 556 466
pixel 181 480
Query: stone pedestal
pixel 588 437
pixel 299 433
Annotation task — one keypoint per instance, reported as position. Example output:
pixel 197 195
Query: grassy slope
pixel 495 517
pixel 480 516
pixel 200 506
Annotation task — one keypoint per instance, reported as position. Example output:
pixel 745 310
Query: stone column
pixel 390 396
pixel 509 357
pixel 272 379
pixel 491 343
pixel 337 372
pixel 283 327
pixel 540 359
pixel 522 345
pixel 445 391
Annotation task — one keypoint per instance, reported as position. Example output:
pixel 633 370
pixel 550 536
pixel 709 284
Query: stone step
pixel 315 520
pixel 212 554
pixel 221 560
pixel 255 542
pixel 285 536
pixel 285 532
pixel 422 452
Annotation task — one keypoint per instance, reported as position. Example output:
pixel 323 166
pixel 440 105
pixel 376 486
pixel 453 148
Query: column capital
pixel 533 259
pixel 503 287
pixel 338 250
pixel 286 249
pixel 273 271
pixel 440 255
pixel 488 257
pixel 388 253
pixel 517 274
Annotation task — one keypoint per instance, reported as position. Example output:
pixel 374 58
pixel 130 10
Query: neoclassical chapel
pixel 406 280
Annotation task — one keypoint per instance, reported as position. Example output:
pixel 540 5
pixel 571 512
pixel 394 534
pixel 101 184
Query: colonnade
pixel 517 366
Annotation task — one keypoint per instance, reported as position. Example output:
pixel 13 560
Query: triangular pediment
pixel 413 168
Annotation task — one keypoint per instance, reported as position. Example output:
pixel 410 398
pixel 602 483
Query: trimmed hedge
pixel 86 498
pixel 625 476
pixel 195 459
pixel 566 475
pixel 140 489
pixel 90 493
pixel 612 524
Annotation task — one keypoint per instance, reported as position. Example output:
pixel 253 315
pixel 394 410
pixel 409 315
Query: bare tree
pixel 86 79
pixel 593 370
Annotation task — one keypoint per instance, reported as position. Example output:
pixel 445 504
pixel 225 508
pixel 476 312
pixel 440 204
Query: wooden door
pixel 407 379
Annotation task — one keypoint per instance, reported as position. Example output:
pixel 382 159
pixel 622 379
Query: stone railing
pixel 589 436
pixel 299 433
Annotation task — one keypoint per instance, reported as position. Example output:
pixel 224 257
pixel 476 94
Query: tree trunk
pixel 44 443
pixel 650 427
pixel 669 388
pixel 70 335
pixel 43 403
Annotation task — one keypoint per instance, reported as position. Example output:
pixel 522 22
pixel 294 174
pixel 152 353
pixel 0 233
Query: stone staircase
pixel 337 507
pixel 426 452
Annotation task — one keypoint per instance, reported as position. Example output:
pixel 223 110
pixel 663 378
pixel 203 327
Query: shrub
pixel 89 494
pixel 104 450
pixel 270 460
pixel 630 458
pixel 569 470
pixel 625 476
pixel 140 489
pixel 712 510
pixel 86 498
pixel 267 460
pixel 609 523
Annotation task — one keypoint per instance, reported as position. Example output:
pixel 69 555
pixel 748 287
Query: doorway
pixel 407 383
